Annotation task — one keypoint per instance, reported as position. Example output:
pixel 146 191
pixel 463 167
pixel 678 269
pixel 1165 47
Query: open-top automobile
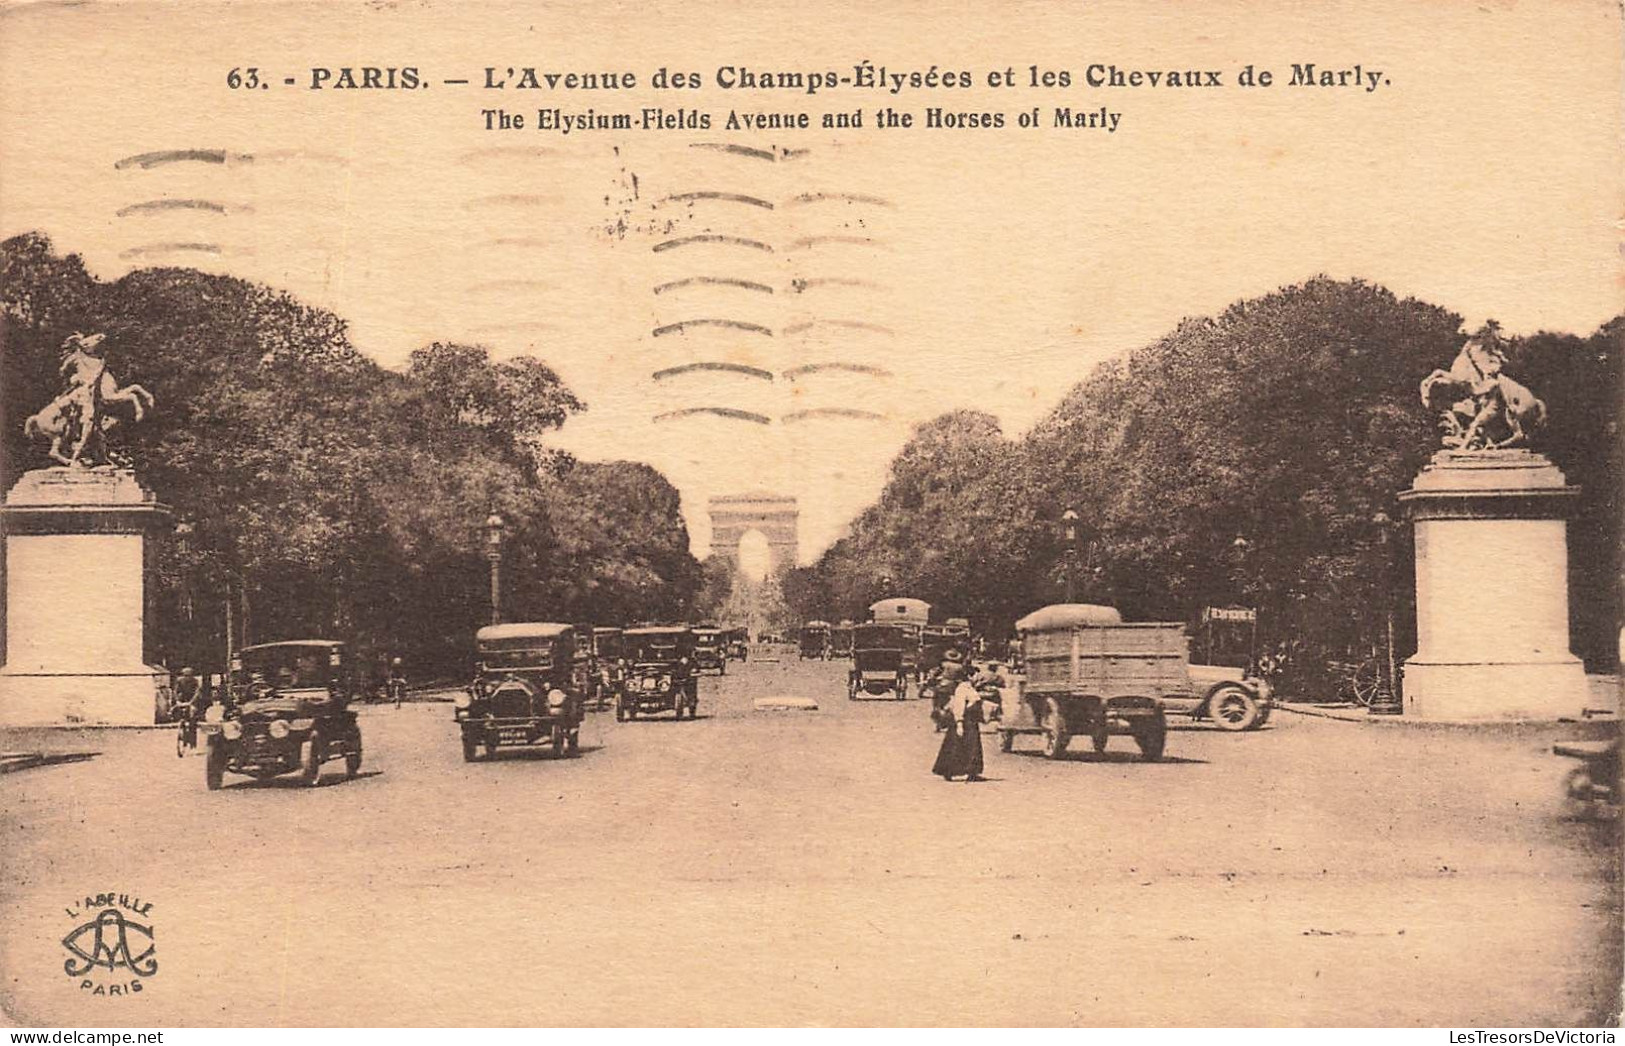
pixel 287 710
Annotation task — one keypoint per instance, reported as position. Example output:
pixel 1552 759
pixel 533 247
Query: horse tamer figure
pixel 1482 408
pixel 77 421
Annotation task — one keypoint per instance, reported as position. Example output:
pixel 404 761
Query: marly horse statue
pixel 1482 408
pixel 80 414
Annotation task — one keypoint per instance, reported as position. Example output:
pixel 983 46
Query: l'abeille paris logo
pixel 111 948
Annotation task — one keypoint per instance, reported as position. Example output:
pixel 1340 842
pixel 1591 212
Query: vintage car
pixel 660 674
pixel 738 644
pixel 527 688
pixel 937 640
pixel 877 662
pixel 709 651
pixel 1230 697
pixel 911 615
pixel 814 640
pixel 287 709
pixel 840 640
pixel 608 666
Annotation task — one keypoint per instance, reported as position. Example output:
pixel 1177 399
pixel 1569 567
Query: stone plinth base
pixel 1495 690
pixel 123 699
pixel 1492 607
pixel 76 568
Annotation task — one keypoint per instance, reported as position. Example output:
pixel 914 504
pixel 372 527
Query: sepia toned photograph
pixel 583 514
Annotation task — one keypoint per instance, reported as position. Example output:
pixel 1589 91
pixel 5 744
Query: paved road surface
pixel 799 867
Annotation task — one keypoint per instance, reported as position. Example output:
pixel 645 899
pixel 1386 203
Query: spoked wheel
pixel 1233 708
pixel 1367 683
pixel 1152 737
pixel 214 766
pixel 310 760
pixel 1056 737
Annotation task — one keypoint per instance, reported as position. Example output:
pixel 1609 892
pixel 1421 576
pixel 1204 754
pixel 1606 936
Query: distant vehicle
pixel 912 615
pixel 937 640
pixel 287 710
pixel 608 665
pixel 527 688
pixel 877 661
pixel 738 644
pixel 815 640
pixel 710 652
pixel 660 674
pixel 840 640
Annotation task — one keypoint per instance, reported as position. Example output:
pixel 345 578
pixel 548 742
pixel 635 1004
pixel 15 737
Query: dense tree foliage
pixel 1253 458
pixel 324 494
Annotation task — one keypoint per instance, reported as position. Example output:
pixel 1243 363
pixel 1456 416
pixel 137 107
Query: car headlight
pixel 557 698
pixel 462 699
pixel 232 729
pixel 665 681
pixel 279 728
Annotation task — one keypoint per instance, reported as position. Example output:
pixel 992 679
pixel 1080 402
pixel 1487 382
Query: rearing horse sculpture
pixel 1479 402
pixel 80 413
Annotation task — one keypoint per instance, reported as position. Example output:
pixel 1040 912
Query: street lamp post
pixel 493 552
pixel 1069 533
pixel 1387 699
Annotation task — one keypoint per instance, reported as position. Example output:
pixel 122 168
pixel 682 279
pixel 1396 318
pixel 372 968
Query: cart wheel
pixel 214 767
pixel 1151 739
pixel 1099 739
pixel 1055 734
pixel 1007 740
pixel 1233 708
pixel 352 758
pixel 310 760
pixel 471 747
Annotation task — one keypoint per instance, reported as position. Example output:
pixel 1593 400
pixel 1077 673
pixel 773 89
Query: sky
pixel 897 273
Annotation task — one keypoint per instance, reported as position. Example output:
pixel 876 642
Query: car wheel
pixel 1152 737
pixel 1056 737
pixel 214 766
pixel 352 758
pixel 310 760
pixel 1233 708
pixel 471 747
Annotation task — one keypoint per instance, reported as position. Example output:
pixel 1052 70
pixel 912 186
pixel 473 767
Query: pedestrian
pixel 961 750
pixel 940 681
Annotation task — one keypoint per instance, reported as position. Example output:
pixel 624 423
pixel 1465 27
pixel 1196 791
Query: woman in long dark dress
pixel 961 750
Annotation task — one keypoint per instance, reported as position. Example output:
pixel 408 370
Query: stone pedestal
pixel 1492 595
pixel 76 548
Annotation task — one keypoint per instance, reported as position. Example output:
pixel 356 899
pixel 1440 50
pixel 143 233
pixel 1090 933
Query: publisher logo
pixel 111 948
